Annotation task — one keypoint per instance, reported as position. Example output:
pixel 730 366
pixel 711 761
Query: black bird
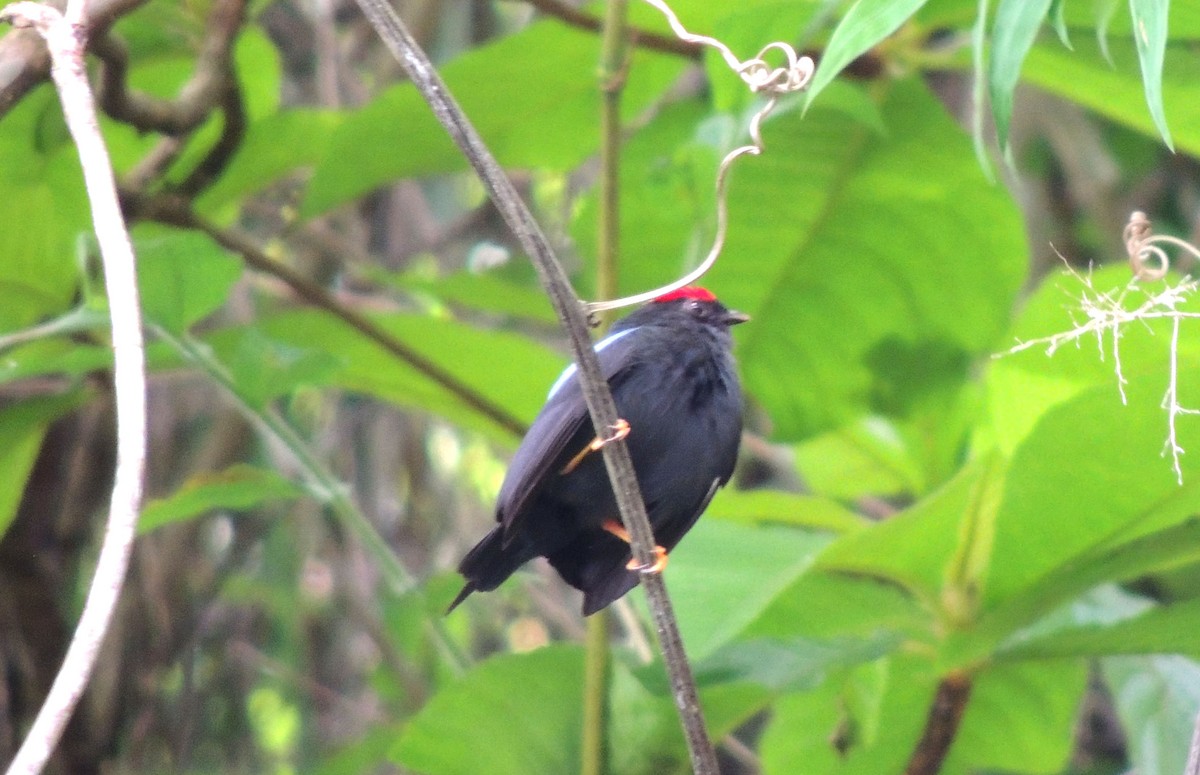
pixel 676 389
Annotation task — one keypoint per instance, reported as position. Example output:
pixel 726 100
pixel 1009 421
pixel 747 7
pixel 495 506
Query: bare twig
pixel 642 38
pixel 945 715
pixel 571 314
pixel 65 38
pixel 203 92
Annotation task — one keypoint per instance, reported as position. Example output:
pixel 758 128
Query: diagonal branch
pixel 571 314
pixel 177 211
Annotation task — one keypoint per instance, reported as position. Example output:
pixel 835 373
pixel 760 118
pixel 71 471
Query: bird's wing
pixel 561 429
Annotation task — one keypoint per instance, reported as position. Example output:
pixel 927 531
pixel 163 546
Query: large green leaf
pixel 865 723
pixel 533 96
pixel 1116 487
pixel 914 548
pixel 827 607
pixel 723 574
pixel 773 507
pixel 511 715
pixel 1021 387
pixel 860 254
pixel 1036 706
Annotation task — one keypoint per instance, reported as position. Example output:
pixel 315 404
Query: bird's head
pixel 702 304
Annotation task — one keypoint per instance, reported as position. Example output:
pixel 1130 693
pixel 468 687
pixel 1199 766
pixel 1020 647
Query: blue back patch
pixel 570 370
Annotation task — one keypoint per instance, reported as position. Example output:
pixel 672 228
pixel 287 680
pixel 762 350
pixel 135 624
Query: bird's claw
pixel 620 429
pixel 660 562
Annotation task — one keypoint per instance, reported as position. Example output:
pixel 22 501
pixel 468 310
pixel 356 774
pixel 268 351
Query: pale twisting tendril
pixel 1146 258
pixel 760 77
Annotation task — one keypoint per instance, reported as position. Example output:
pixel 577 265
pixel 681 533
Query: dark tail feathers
pixel 490 563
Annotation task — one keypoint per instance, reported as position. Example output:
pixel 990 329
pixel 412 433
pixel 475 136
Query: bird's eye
pixel 694 307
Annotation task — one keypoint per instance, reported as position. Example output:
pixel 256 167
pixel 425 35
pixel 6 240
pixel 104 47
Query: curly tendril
pixel 1147 259
pixel 761 77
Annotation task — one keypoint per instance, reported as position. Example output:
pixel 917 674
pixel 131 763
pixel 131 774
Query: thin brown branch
pixel 643 38
pixel 65 39
pixel 176 210
pixel 233 109
pixel 207 89
pixel 25 61
pixel 945 715
pixel 571 315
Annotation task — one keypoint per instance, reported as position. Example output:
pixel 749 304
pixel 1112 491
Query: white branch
pixel 64 38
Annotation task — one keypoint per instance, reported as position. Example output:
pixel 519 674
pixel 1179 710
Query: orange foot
pixel 660 554
pixel 619 431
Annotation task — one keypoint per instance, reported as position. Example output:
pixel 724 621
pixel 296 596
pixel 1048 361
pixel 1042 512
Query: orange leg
pixel 660 554
pixel 620 430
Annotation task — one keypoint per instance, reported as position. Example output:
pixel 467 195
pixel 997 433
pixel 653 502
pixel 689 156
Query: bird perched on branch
pixel 675 385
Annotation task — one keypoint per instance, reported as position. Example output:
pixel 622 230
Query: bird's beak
pixel 733 317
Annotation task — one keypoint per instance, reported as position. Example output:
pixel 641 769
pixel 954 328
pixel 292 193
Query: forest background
pixel 933 530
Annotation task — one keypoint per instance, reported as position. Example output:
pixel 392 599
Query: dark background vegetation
pixel 346 343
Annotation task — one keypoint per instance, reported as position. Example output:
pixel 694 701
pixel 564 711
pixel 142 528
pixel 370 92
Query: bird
pixel 670 367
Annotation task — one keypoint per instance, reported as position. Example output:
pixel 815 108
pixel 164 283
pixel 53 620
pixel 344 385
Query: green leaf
pixel 237 488
pixel 826 607
pixel 1013 32
pixel 864 25
pixel 497 365
pixel 1158 552
pixel 183 277
pixel 1036 705
pixel 1150 36
pixel 22 426
pixel 791 665
pixel 914 548
pixel 866 458
pixel 714 596
pixel 264 369
pixel 1157 699
pixel 41 186
pixel 516 714
pixel 273 146
pixel 1166 629
pixel 533 96
pixel 1021 387
pixel 866 723
pixel 773 507
pixel 1117 488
